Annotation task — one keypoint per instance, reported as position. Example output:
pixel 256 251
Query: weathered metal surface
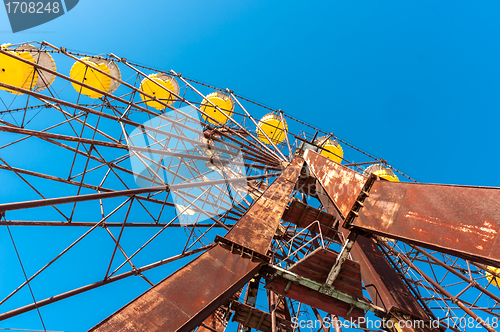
pixel 343 185
pixel 249 316
pixel 316 267
pixel 304 215
pixel 318 264
pixel 214 322
pixel 257 227
pixel 327 202
pixel 384 285
pixel 314 298
pixel 282 310
pixel 307 185
pixel 183 300
pixel 219 318
pixel 459 220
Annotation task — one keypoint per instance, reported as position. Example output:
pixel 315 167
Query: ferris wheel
pixel 231 215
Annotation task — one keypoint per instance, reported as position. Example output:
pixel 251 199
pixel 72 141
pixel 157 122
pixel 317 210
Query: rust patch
pixel 257 319
pixel 461 220
pixel 256 229
pixel 342 184
pixel 316 266
pixel 187 297
pixel 304 215
pixel 385 286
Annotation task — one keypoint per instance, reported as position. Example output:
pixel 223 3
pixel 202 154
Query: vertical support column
pixel 272 308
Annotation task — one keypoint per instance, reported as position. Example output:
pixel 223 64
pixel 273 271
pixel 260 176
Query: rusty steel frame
pixel 66 250
pixel 447 272
pixel 462 305
pixel 97 284
pixel 49 137
pixel 105 224
pixel 385 287
pixel 249 316
pixel 459 220
pixel 294 247
pixel 169 305
pixel 405 258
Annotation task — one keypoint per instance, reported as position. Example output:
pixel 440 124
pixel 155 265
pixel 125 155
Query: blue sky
pixel 415 83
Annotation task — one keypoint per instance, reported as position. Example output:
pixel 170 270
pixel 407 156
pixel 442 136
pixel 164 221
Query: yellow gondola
pixel 492 278
pixel 161 87
pixel 85 73
pixel 223 102
pixel 275 129
pixel 44 59
pixel 17 73
pixel 113 70
pixel 382 171
pixel 331 148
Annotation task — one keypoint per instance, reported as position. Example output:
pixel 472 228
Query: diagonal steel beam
pixel 109 224
pixel 186 298
pixel 118 193
pixel 459 220
pixel 385 286
pixel 255 234
pixel 182 301
pixel 97 284
pixel 79 198
pixel 342 184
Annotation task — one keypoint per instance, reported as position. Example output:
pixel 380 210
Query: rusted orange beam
pixel 459 220
pixel 185 299
pixel 341 183
pixel 385 286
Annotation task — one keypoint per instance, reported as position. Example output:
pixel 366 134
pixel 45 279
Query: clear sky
pixel 414 82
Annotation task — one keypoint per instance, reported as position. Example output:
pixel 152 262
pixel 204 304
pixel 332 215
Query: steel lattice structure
pixel 279 233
